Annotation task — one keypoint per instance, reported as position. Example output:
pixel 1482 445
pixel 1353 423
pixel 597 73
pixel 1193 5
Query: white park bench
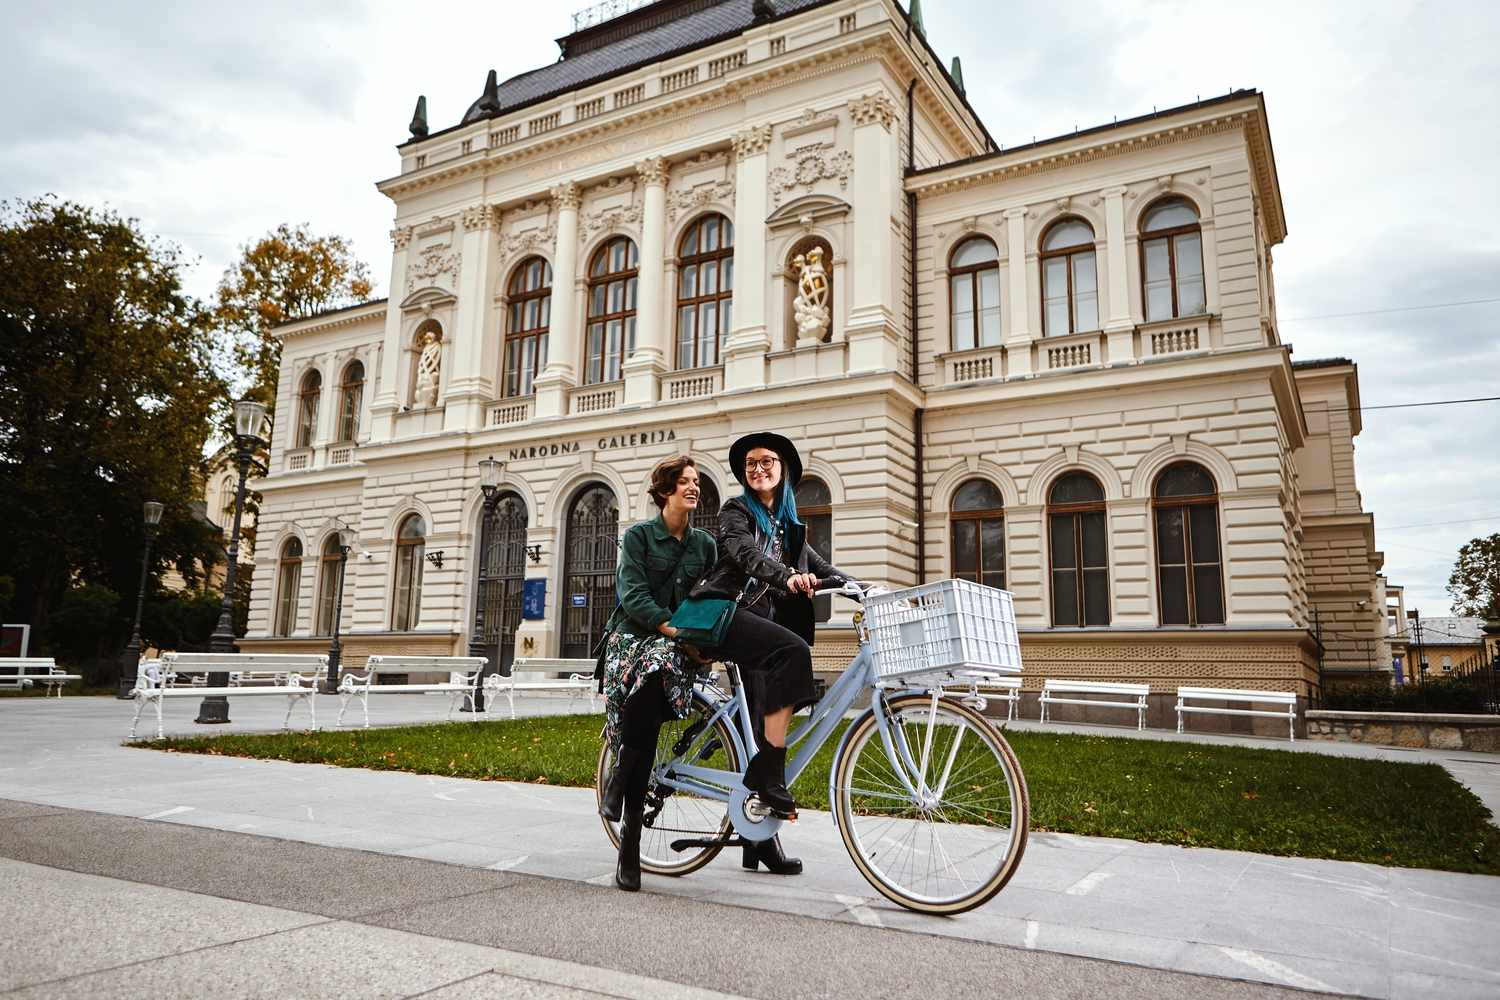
pixel 542 674
pixel 1287 698
pixel 984 688
pixel 33 670
pixel 174 677
pixel 462 671
pixel 1052 688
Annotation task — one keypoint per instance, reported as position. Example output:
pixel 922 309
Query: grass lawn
pixel 1241 798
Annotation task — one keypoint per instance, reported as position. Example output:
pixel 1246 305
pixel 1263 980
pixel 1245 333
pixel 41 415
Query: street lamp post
pixel 490 472
pixel 346 542
pixel 130 662
pixel 248 417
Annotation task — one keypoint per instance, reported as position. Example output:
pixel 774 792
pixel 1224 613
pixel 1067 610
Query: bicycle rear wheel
pixel 673 815
pixel 953 846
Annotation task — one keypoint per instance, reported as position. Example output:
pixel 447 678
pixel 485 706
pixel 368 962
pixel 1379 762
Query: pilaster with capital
pixel 1119 328
pixel 552 384
pixel 386 402
pixel 1018 342
pixel 468 385
pixel 745 348
pixel 650 358
pixel 872 330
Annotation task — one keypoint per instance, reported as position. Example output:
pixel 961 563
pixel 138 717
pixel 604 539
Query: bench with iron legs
pixel 542 674
pixel 1287 698
pixel 986 687
pixel 1052 688
pixel 300 673
pixel 463 680
pixel 33 670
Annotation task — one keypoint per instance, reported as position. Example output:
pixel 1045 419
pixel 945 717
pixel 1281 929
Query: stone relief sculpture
pixel 811 168
pixel 429 370
pixel 810 307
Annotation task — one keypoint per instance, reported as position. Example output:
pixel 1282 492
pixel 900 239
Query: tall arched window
pixel 351 398
pixel 705 292
pixel 411 547
pixel 307 408
pixel 502 578
pixel 979 534
pixel 974 294
pixel 1172 261
pixel 1080 551
pixel 1189 571
pixel 288 587
pixel 706 517
pixel 611 329
pixel 328 584
pixel 815 508
pixel 1070 284
pixel 527 318
pixel 589 569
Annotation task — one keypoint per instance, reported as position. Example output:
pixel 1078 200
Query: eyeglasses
pixel 766 464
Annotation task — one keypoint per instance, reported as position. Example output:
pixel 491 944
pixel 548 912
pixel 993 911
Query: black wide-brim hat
pixel 791 462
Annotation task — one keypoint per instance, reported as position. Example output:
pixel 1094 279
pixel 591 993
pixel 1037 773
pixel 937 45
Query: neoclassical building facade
pixel 1054 368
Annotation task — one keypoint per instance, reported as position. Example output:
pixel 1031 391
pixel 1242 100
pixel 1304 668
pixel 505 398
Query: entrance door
pixel 588 597
pixel 502 573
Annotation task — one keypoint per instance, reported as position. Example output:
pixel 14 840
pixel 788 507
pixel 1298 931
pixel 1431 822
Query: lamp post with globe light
pixel 490 473
pixel 248 418
pixel 130 661
pixel 346 542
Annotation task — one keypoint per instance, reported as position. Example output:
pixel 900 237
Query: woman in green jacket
pixel 647 675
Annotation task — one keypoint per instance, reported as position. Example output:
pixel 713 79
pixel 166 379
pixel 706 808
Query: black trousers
pixel 775 664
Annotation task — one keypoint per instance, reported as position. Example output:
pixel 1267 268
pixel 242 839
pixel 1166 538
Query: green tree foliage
pixel 108 395
pixel 87 624
pixel 1475 583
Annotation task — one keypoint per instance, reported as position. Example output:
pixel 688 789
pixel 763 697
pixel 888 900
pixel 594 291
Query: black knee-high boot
pixel 612 800
pixel 766 776
pixel 628 868
pixel 769 853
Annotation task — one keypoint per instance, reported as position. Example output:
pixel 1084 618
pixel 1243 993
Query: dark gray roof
pixel 1453 631
pixel 693 28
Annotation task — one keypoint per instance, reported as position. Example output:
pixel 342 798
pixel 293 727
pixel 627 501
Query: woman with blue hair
pixel 767 567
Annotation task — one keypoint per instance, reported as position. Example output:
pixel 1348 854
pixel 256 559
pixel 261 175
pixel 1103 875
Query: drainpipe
pixel 911 264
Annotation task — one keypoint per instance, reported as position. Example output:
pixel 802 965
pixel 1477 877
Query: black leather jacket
pixel 744 571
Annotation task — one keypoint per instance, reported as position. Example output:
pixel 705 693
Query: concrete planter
pixel 1479 733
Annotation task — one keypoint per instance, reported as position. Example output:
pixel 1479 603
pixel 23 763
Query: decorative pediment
pixel 428 298
pixel 816 207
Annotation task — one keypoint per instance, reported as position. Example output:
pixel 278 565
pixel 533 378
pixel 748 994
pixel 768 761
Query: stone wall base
pixel 1475 733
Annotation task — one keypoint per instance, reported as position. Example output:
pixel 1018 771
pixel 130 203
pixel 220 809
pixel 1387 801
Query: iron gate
pixel 502 573
pixel 593 551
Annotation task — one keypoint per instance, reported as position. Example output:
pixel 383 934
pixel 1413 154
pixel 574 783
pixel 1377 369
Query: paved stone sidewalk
pixel 1321 925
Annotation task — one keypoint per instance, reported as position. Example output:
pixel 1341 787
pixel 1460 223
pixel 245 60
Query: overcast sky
pixel 213 123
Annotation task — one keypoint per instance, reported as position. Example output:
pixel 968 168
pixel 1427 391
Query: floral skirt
pixel 628 661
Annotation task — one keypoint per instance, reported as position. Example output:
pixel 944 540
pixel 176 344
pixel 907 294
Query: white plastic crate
pixel 942 627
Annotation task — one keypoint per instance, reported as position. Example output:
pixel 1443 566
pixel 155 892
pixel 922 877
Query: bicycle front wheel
pixel 953 839
pixel 672 815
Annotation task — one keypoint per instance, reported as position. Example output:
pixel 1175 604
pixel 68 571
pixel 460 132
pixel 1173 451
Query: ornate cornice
pixel 873 108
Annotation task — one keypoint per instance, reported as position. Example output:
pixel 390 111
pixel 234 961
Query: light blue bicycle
pixel 927 795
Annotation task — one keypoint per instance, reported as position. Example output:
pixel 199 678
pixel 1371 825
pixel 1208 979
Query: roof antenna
pixel 418 126
pixel 490 102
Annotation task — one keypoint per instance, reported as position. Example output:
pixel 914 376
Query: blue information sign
pixel 580 600
pixel 534 599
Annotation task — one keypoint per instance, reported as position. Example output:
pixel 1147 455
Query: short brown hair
pixel 664 477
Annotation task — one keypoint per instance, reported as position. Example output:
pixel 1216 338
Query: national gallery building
pixel 1053 368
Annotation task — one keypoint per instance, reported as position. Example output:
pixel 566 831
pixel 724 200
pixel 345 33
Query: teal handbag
pixel 702 621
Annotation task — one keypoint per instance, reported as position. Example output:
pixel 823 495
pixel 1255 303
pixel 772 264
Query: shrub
pixel 1372 694
pixel 1440 694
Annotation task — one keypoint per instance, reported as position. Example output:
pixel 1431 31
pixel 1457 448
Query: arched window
pixel 979 534
pixel 611 330
pixel 351 397
pixel 589 569
pixel 1172 261
pixel 307 408
pixel 974 294
pixel 706 517
pixel 1080 551
pixel 502 578
pixel 288 587
pixel 1070 284
pixel 815 508
pixel 705 292
pixel 411 547
pixel 328 584
pixel 1189 571
pixel 527 318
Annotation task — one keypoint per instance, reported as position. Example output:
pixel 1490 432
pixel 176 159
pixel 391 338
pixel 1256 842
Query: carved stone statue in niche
pixel 429 370
pixel 811 307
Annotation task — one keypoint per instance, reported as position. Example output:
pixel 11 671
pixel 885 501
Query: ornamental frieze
pixel 433 263
pixel 811 168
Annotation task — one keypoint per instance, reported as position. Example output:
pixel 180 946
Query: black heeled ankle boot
pixel 628 868
pixel 766 777
pixel 769 853
pixel 612 799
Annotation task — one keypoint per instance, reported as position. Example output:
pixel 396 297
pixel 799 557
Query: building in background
pixel 1054 368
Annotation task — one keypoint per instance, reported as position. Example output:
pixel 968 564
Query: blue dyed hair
pixel 786 509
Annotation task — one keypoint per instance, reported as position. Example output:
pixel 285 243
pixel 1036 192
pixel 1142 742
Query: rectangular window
pixel 1055 297
pixel 963 312
pixel 1085 293
pixel 1158 281
pixel 1080 569
pixel 1188 251
pixel 1064 570
pixel 989 307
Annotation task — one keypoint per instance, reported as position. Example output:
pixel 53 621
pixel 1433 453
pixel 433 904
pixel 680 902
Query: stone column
pixel 650 358
pixel 386 401
pixel 1118 328
pixel 745 349
pixel 872 332
pixel 552 385
pixel 1018 342
pixel 469 386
